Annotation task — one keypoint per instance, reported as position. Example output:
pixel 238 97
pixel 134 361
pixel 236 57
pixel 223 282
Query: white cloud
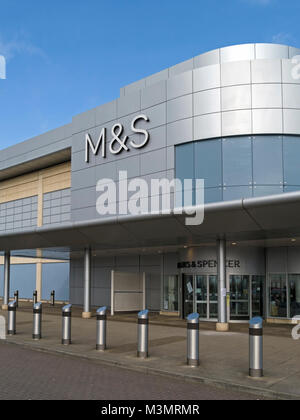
pixel 10 49
pixel 283 38
pixel 259 2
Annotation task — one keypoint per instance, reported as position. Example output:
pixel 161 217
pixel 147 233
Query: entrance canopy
pixel 276 216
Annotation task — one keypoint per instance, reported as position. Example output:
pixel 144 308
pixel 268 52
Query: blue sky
pixel 65 57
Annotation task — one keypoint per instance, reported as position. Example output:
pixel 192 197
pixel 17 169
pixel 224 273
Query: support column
pixel 222 324
pixel 6 280
pixel 87 284
pixel 144 291
pixel 38 281
pixel 38 275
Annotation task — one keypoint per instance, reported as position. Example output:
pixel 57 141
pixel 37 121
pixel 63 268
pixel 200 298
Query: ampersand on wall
pixel 116 132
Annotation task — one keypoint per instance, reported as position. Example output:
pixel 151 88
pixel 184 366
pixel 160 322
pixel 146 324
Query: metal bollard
pixel 37 321
pixel 193 339
pixel 143 334
pixel 101 329
pixel 34 297
pixel 12 309
pixel 52 298
pixel 256 347
pixel 66 324
pixel 16 296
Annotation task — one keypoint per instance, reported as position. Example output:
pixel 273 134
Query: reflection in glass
pixel 208 162
pixel 237 161
pixel 213 297
pixel 188 295
pixel 257 295
pixel 294 285
pixel 232 165
pixel 278 296
pixel 239 297
pixel 171 293
pixel 291 153
pixel 267 160
pixel 201 296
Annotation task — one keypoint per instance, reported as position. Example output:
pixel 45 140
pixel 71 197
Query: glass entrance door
pixel 246 296
pixel 239 297
pixel 257 295
pixel 200 294
pixel 213 297
pixel 188 295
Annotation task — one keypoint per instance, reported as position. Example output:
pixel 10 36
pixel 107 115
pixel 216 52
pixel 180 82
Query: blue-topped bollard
pixel 101 329
pixel 143 334
pixel 256 347
pixel 193 339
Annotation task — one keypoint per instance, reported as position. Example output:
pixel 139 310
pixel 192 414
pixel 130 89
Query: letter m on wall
pixel 89 145
pixel 2 67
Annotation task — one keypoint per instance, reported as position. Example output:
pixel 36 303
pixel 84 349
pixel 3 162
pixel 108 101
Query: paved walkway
pixel 30 375
pixel 282 330
pixel 224 356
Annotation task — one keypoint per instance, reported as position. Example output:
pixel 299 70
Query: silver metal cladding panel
pixel 154 95
pixel 236 73
pixel 207 78
pixel 241 96
pixel 267 121
pixel 180 132
pixel 267 95
pixel 236 123
pixel 266 71
pixel 291 96
pixel 271 51
pixel 207 102
pixel 236 98
pixel 243 52
pixel 180 85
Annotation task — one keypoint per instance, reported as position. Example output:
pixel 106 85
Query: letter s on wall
pixel 140 131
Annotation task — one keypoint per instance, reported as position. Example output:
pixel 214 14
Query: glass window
pixel 278 296
pixel 291 188
pixel 294 285
pixel 213 195
pixel 267 160
pixel 237 161
pixel 257 287
pixel 185 161
pixel 208 162
pixel 262 190
pixel 235 193
pixel 291 153
pixel 170 293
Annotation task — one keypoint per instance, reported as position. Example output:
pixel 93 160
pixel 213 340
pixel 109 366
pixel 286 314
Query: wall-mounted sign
pixel 208 264
pixel 119 140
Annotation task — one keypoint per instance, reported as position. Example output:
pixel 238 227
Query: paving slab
pixel 223 356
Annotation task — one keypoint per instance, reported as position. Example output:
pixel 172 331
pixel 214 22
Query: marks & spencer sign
pixel 117 141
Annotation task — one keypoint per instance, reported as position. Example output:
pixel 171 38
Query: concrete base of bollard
pixel 222 327
pixel 142 354
pixel 193 362
pixel 86 315
pixel 100 347
pixel 256 373
pixel 4 307
pixel 36 336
